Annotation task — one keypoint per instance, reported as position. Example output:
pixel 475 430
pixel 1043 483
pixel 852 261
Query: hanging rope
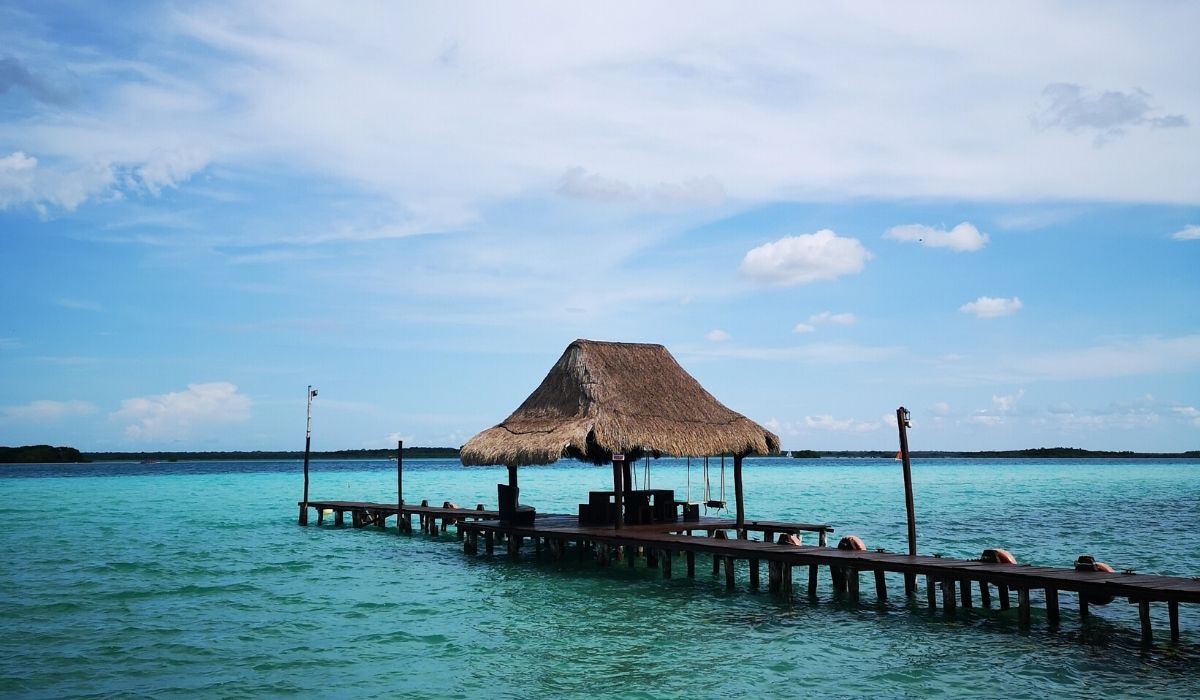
pixel 722 480
pixel 689 480
pixel 646 474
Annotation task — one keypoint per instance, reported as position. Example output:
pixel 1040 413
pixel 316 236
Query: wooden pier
pixel 949 583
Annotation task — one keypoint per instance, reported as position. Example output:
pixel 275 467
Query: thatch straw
pixel 602 398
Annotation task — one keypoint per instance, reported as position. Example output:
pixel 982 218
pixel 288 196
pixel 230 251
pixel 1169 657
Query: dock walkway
pixel 659 544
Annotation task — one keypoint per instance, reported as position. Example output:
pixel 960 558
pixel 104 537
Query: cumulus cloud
pixel 803 259
pixel 961 238
pixel 46 410
pixel 717 335
pixel 24 182
pixel 176 415
pixel 1107 114
pixel 1187 233
pixel 578 183
pixel 804 328
pixel 992 307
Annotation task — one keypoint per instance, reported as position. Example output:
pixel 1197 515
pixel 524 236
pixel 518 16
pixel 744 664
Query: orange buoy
pixel 852 542
pixel 1087 562
pixel 787 538
pixel 997 556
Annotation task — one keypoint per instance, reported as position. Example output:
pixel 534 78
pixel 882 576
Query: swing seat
pixel 716 505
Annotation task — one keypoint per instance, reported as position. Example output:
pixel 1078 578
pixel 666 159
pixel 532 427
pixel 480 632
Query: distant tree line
pixel 1034 453
pixel 40 454
pixel 413 452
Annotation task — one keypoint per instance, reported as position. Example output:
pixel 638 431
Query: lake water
pixel 193 580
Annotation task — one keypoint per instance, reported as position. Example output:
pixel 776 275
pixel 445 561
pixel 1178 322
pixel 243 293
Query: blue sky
pixel 990 215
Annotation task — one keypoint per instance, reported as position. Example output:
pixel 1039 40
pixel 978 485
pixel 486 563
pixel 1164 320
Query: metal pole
pixel 399 475
pixel 902 418
pixel 737 494
pixel 307 449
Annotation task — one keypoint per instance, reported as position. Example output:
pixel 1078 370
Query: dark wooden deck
pixel 954 580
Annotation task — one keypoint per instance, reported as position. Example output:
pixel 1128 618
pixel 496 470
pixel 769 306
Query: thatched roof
pixel 601 398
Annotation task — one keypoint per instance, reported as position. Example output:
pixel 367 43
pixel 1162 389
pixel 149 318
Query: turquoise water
pixel 120 580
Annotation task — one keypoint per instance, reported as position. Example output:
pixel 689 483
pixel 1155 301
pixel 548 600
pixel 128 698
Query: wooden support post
pixel 985 594
pixel 355 519
pixel 821 538
pixel 716 564
pixel 902 416
pixel 948 603
pixel 774 576
pixel 1173 612
pixel 812 580
pixel 910 585
pixel 737 490
pixel 537 547
pixel 1052 616
pixel 514 544
pixel 473 542
pixel 837 576
pixel 618 492
pixel 852 581
pixel 630 555
pixel 964 587
pixel 880 586
pixel 400 484
pixel 1083 606
pixel 1144 614
pixel 1023 606
pixel 652 558
pixel 729 573
pixel 691 564
pixel 320 516
pixel 931 591
pixel 489 542
pixel 666 564
pixel 754 574
pixel 1002 592
pixel 787 580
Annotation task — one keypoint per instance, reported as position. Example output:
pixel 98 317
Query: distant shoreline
pixel 33 454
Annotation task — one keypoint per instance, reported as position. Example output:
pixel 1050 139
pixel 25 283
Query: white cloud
pixel 717 335
pixel 170 168
pixel 842 319
pixel 46 410
pixel 176 415
pixel 805 258
pixel 940 409
pixel 1006 404
pixel 23 181
pixel 992 307
pixel 961 238
pixel 803 328
pixel 1189 413
pixel 1187 233
pixel 989 420
pixel 828 422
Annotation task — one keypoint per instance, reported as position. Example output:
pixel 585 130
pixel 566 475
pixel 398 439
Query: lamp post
pixel 312 393
pixel 903 423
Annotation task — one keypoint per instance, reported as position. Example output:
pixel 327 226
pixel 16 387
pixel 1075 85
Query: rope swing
pixel 709 501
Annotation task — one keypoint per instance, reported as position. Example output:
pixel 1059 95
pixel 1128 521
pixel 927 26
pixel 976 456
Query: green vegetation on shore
pixel 33 454
pixel 40 454
pixel 1034 453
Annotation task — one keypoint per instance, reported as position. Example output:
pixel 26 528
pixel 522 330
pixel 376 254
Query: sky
pixel 986 213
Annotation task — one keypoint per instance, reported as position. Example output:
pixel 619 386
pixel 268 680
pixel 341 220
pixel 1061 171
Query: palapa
pixel 602 398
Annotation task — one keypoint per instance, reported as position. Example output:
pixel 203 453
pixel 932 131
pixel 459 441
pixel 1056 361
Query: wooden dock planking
pixel 953 576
